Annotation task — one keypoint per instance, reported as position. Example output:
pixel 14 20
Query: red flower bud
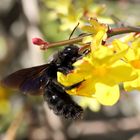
pixel 38 41
pixel 43 44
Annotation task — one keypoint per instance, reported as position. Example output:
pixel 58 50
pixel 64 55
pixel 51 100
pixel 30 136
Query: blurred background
pixel 28 117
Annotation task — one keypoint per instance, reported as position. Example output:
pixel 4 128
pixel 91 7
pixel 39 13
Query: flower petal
pixel 86 88
pixel 121 72
pixel 70 79
pixel 107 95
pixel 133 85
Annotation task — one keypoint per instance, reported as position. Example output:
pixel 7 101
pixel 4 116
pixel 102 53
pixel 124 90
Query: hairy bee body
pixel 61 103
pixel 58 100
pixel 44 79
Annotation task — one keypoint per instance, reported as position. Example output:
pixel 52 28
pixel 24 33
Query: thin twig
pixel 123 30
pixel 12 130
pixel 112 32
pixel 69 41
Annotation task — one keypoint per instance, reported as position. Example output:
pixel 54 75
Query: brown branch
pixel 69 41
pixel 111 32
pixel 123 30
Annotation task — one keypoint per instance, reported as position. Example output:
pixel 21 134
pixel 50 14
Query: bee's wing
pixel 31 80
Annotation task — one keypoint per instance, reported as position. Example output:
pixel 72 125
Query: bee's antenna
pixel 73 30
pixel 117 21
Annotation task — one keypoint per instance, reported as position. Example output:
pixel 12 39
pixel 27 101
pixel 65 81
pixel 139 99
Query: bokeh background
pixel 28 117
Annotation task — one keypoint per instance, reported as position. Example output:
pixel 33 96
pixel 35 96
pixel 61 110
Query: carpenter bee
pixel 43 79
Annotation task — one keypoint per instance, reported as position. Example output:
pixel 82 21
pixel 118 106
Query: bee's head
pixel 70 51
pixel 67 56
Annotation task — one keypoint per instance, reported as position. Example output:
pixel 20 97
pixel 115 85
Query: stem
pixel 112 32
pixel 123 30
pixel 69 41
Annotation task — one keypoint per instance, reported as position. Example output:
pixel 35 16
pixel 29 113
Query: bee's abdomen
pixel 61 103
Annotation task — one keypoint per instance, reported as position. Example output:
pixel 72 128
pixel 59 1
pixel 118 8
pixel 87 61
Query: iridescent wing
pixel 30 80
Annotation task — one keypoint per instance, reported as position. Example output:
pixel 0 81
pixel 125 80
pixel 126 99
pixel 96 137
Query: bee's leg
pixel 85 52
pixel 73 86
pixel 65 70
pixel 62 87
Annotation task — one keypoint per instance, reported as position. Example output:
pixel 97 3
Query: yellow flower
pixel 67 13
pixel 94 26
pixel 98 32
pixel 133 57
pixel 71 19
pixel 105 67
pixel 60 6
pixel 101 71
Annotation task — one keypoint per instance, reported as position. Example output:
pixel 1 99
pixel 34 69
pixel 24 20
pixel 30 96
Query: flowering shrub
pixel 70 12
pixel 109 63
pixel 105 67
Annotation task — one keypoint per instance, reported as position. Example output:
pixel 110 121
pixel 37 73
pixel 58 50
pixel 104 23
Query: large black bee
pixel 43 79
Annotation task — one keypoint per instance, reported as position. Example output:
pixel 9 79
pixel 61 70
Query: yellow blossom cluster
pixel 106 66
pixel 70 12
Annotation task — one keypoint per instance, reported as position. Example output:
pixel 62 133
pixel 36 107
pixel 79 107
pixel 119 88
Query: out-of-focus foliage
pixel 66 14
pixel 2 48
pixel 4 103
pixel 92 103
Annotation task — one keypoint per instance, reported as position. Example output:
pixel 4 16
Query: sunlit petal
pixel 107 95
